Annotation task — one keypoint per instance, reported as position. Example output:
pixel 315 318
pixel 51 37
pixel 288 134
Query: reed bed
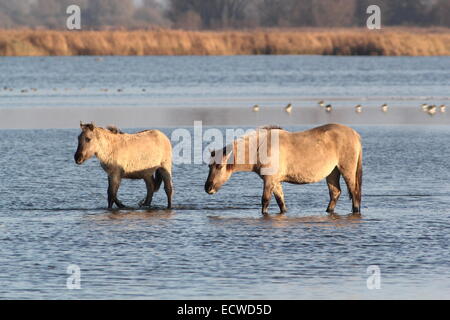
pixel 386 42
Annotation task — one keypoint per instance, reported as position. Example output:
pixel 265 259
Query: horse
pixel 144 155
pixel 305 157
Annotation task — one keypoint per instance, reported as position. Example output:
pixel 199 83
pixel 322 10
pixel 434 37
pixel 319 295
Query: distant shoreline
pixel 165 42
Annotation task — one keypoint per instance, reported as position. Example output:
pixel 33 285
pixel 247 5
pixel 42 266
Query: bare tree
pixel 441 13
pixel 213 13
pixel 275 13
pixel 108 13
pixel 151 13
pixel 333 13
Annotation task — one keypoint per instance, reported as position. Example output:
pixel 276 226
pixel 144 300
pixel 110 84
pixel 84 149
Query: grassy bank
pixel 389 42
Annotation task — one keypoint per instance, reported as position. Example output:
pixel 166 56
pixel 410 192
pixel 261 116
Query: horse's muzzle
pixel 209 188
pixel 78 159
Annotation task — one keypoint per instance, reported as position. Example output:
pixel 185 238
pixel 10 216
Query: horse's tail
pixel 358 180
pixel 158 179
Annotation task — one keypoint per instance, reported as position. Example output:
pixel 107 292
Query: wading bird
pixel 358 108
pixel 443 108
pixel 321 103
pixel 255 108
pixel 431 110
pixel 384 107
pixel 288 108
pixel 328 108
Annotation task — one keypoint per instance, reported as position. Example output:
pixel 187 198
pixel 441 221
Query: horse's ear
pixel 87 126
pixel 228 152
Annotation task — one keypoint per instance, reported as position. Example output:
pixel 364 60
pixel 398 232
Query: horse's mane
pixel 114 129
pixel 225 150
pixel 271 127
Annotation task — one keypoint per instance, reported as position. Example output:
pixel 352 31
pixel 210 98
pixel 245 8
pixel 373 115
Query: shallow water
pixel 236 81
pixel 53 214
pixel 134 92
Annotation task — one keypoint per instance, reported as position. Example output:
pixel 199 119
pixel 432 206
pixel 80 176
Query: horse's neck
pixel 242 167
pixel 105 148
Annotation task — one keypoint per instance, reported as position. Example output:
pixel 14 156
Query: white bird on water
pixel 255 108
pixel 288 108
pixel 358 108
pixel 328 108
pixel 384 107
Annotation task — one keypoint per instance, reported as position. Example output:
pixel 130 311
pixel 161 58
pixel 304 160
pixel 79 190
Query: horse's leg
pixel 267 195
pixel 150 184
pixel 279 196
pixel 350 180
pixel 113 187
pixel 334 188
pixel 168 188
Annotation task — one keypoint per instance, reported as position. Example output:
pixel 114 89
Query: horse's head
pixel 219 170
pixel 87 143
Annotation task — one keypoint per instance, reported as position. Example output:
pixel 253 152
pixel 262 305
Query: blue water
pixel 222 81
pixel 53 213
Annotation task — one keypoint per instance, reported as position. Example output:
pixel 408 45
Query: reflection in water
pixel 334 220
pixel 147 214
pixel 132 215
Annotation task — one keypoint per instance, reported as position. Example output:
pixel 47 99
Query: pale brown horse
pixel 144 155
pixel 304 157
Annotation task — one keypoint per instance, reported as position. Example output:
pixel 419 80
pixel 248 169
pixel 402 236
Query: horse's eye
pixel 88 140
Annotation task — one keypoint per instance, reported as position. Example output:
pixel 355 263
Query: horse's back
pixel 309 156
pixel 333 135
pixel 151 137
pixel 143 150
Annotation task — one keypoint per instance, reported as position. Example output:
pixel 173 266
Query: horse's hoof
pixel 143 204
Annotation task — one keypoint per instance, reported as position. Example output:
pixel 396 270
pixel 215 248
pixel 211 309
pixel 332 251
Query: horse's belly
pixel 308 175
pixel 138 174
pixel 133 175
pixel 302 179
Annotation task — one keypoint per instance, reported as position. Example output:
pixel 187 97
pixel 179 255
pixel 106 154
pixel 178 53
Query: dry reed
pixel 388 42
